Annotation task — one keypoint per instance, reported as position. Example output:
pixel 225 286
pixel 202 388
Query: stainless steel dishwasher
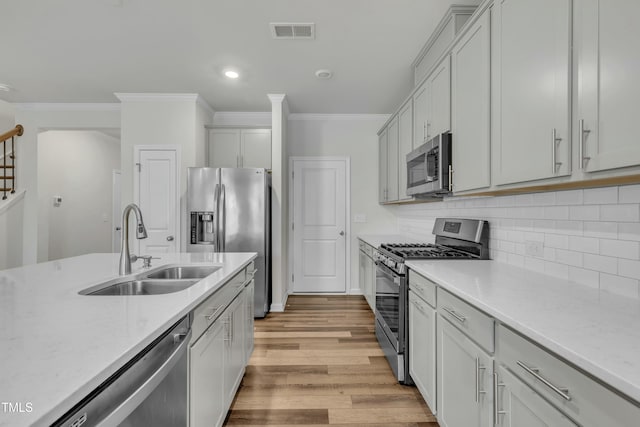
pixel 150 390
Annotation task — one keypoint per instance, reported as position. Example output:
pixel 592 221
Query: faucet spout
pixel 141 233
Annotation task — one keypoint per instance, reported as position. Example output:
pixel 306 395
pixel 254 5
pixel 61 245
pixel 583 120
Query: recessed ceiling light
pixel 324 74
pixel 5 88
pixel 231 74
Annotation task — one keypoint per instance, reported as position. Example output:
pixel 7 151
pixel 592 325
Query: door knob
pixel 342 233
pixel 169 238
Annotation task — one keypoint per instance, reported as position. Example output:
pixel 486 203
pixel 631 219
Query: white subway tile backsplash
pixel 629 231
pixel 619 285
pixel 589 236
pixel 620 248
pixel 600 196
pixel 629 194
pixel 601 263
pixel 572 197
pixel 622 213
pixel 584 244
pixel 603 230
pixel 629 268
pixel 584 213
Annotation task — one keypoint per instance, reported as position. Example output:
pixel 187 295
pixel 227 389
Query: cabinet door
pixel 439 112
pixel 464 378
pixel 607 57
pixel 392 161
pixel 224 148
pixel 470 121
pixel 531 46
pixel 255 148
pixel 249 321
pixel 420 114
pixel 382 166
pixel 234 349
pixel 206 386
pixel 405 145
pixel 519 405
pixel 371 278
pixel 362 273
pixel 422 348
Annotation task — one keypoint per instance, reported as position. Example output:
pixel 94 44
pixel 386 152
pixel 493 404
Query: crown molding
pixel 138 97
pixel 276 97
pixel 66 106
pixel 239 118
pixel 204 104
pixel 342 117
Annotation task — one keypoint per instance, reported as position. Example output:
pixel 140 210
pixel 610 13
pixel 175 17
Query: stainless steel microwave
pixel 429 168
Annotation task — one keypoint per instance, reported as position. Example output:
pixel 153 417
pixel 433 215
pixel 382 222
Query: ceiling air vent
pixel 293 30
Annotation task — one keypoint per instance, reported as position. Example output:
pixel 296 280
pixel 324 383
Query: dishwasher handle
pixel 132 402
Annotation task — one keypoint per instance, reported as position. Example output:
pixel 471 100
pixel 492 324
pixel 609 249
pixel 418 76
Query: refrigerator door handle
pixel 223 219
pixel 216 204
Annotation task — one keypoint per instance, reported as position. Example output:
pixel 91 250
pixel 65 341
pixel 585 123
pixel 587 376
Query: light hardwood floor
pixel 318 364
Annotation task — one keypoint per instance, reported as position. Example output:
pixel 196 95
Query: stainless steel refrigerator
pixel 230 211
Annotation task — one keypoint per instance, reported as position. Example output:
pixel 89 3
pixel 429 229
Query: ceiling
pixel 84 51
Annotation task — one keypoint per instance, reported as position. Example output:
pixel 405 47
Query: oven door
pixel 389 290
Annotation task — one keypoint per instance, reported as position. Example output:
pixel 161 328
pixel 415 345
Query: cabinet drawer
pixel 207 312
pixel 576 394
pixel 470 320
pixel 423 287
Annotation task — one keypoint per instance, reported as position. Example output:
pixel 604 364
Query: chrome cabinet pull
pixel 556 141
pixel 496 410
pixel 419 307
pixel 428 128
pixel 227 327
pixel 561 391
pixel 450 178
pixel 479 368
pixel 457 316
pixel 581 134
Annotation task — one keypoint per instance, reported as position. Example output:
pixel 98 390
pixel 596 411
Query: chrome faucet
pixel 141 233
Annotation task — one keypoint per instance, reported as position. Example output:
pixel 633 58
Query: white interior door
pixel 116 211
pixel 158 198
pixel 319 225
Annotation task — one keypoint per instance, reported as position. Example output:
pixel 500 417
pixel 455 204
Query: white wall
pixel 38 118
pixel 11 222
pixel 76 165
pixel 589 236
pixel 352 136
pixel 7 116
pixel 164 119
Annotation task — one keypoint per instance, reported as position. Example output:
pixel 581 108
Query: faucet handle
pixel 146 260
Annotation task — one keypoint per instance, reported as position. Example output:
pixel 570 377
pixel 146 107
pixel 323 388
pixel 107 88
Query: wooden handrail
pixel 17 131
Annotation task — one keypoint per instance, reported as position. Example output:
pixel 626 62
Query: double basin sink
pixel 163 281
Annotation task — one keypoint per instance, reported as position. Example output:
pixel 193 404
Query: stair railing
pixel 9 170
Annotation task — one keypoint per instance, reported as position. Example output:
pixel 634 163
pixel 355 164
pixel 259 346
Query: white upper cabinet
pixel 392 160
pixel 439 112
pixel 405 144
pixel 470 119
pixel 224 148
pixel 420 114
pixel 531 75
pixel 382 166
pixel 607 57
pixel 238 148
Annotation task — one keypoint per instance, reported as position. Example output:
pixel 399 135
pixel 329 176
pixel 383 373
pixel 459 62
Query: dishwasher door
pixel 150 390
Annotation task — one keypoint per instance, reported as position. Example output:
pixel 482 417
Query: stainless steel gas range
pixel 455 239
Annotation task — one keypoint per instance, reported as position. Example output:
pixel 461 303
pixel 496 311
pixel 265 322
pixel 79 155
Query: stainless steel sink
pixel 185 272
pixel 140 287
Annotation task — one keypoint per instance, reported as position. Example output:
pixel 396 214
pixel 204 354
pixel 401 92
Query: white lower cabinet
pixel 422 348
pixel 464 378
pixel 206 386
pixel 367 274
pixel 517 405
pixel 234 348
pixel 249 322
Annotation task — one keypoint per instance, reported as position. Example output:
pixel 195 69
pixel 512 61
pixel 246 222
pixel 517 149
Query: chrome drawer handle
pixel 420 307
pixel 457 316
pixel 213 315
pixel 561 391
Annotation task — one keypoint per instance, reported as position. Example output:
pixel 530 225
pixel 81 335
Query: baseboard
pixel 356 291
pixel 279 308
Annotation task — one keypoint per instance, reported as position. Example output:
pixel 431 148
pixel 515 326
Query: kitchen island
pixel 58 346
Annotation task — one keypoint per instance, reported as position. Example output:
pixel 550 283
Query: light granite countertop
pixel 595 330
pixel 57 346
